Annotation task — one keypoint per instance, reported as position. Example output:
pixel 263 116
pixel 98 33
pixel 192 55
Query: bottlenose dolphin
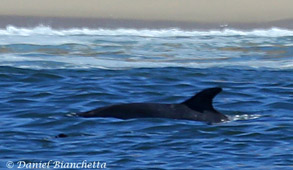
pixel 197 108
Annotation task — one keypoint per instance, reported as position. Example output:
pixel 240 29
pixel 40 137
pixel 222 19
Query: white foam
pixel 244 117
pixel 45 30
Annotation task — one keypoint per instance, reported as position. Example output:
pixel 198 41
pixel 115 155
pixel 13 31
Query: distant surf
pixel 45 48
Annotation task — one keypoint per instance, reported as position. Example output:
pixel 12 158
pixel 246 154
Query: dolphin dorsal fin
pixel 203 100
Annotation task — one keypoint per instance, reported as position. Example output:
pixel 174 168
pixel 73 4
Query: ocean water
pixel 47 75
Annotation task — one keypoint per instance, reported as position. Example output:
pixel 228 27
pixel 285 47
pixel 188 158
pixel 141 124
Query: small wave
pixel 46 30
pixel 73 114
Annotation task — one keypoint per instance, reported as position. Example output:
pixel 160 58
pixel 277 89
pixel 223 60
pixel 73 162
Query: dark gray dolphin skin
pixel 197 108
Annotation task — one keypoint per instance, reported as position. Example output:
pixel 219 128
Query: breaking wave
pixel 45 30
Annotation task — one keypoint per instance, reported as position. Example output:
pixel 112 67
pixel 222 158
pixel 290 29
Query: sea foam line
pixel 46 30
pixel 65 62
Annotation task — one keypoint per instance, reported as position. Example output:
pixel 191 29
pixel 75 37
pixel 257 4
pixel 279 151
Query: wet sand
pixel 186 14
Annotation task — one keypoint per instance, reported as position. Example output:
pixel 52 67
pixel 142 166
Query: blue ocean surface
pixel 48 75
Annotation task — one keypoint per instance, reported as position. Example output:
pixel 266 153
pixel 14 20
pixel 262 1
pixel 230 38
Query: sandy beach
pixel 148 13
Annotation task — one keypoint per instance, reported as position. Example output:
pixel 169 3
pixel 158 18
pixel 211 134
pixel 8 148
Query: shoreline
pixel 148 14
pixel 106 23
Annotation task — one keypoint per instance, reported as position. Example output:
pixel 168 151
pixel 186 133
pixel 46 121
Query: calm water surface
pixel 48 75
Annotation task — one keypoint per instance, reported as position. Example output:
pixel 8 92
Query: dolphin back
pixel 198 108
